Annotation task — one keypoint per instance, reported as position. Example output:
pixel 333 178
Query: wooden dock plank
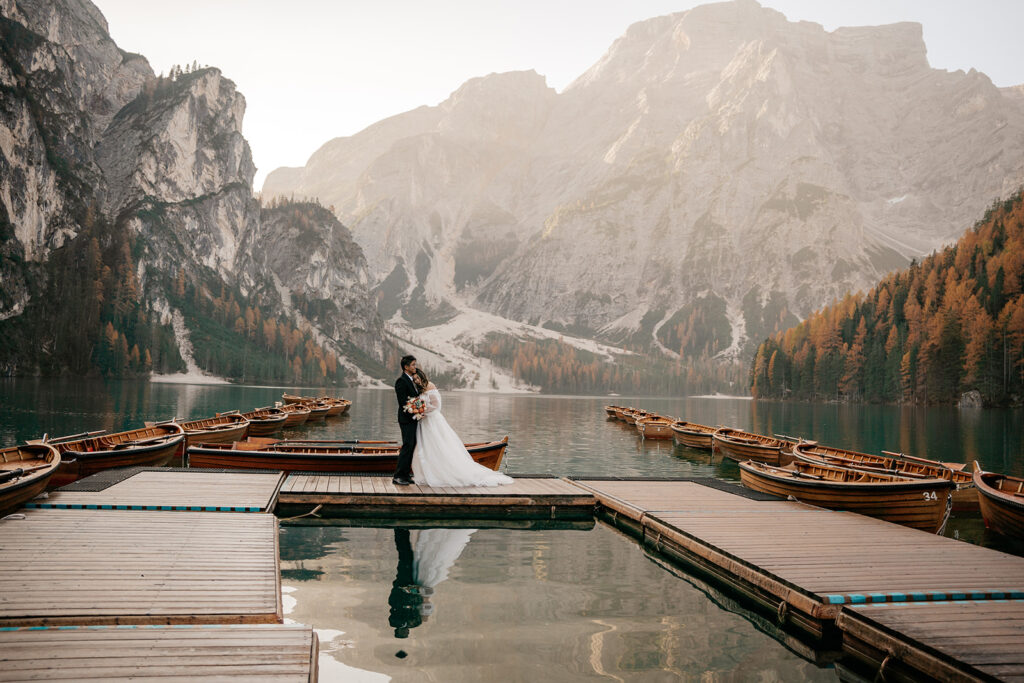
pixel 246 653
pixel 138 567
pixel 813 559
pixel 376 495
pixel 178 489
pixel 948 640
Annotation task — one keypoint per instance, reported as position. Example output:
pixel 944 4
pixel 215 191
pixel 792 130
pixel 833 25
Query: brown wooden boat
pixel 222 428
pixel 918 503
pixel 339 406
pixel 297 414
pixel 24 473
pixel 335 456
pixel 86 454
pixel 612 411
pixel 655 427
pixel 692 435
pixel 1001 499
pixel 265 421
pixel 964 496
pixel 631 415
pixel 739 446
pixel 317 409
pixel 620 412
pixel 335 406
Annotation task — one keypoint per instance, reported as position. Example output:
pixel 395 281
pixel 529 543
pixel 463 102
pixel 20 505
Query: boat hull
pixel 321 459
pixel 79 464
pixel 296 418
pixel 236 432
pixel 661 430
pixel 15 493
pixel 693 438
pixel 964 497
pixel 1003 513
pixel 266 427
pixel 919 505
pixel 770 455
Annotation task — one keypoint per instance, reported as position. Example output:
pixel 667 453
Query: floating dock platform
pixel 102 567
pixel 267 653
pixel 366 496
pixel 169 489
pixel 837 575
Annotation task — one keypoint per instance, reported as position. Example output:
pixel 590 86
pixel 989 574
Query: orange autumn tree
pixel 952 323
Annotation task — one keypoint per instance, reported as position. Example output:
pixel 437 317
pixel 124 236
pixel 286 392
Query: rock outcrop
pixel 722 158
pixel 89 136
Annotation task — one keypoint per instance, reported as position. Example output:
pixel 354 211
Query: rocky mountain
pixel 131 195
pixel 716 175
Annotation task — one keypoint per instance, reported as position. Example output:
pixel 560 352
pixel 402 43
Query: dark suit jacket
pixel 405 389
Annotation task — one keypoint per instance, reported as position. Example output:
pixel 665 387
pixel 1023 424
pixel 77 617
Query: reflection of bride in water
pixel 419 571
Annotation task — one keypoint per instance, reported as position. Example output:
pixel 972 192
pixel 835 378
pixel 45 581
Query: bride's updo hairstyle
pixel 422 376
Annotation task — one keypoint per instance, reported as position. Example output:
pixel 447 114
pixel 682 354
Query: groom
pixel 405 389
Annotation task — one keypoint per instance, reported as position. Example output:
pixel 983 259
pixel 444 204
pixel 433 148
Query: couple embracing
pixel 431 450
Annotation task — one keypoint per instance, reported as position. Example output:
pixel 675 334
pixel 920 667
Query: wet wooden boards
pixel 279 653
pixel 90 567
pixel 966 640
pixel 376 496
pixel 802 561
pixel 176 490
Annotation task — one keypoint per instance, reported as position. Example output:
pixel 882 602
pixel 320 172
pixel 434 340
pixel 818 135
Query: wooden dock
pixel 375 496
pixel 944 640
pixel 802 562
pixel 92 567
pixel 169 489
pixel 243 653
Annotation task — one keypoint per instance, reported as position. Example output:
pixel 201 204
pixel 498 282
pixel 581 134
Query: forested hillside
pixel 952 323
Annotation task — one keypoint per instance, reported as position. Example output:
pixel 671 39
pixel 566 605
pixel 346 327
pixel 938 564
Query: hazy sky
pixel 312 70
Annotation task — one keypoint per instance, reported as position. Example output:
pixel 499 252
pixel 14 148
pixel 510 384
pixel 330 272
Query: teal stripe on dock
pixel 161 508
pixel 896 598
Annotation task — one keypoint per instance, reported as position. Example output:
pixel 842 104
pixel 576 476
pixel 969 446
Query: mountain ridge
pixel 699 139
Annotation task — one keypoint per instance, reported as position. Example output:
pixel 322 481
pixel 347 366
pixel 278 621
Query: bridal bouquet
pixel 416 406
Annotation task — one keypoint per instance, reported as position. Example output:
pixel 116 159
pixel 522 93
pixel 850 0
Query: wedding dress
pixel 440 458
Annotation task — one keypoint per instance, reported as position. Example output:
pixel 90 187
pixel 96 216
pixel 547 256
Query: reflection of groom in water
pixel 405 599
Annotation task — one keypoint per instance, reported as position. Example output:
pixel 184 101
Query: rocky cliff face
pixel 318 270
pixel 90 137
pixel 720 158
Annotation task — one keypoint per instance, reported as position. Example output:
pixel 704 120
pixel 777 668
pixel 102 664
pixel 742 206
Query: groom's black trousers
pixel 404 470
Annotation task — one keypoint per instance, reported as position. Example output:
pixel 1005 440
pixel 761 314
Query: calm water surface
pixel 508 605
pixel 511 604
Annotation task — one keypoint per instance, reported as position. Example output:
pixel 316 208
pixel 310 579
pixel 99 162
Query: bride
pixel 440 458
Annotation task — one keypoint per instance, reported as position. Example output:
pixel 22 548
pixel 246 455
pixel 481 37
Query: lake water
pixel 513 604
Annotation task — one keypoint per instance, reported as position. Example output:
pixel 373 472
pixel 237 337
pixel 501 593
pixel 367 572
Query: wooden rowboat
pixel 692 434
pixel 631 415
pixel 265 421
pixel 151 446
pixel 964 496
pixel 612 411
pixel 297 414
pixel 655 427
pixel 620 412
pixel 918 503
pixel 335 406
pixel 24 473
pixel 339 406
pixel 317 409
pixel 223 428
pixel 739 446
pixel 322 456
pixel 1001 499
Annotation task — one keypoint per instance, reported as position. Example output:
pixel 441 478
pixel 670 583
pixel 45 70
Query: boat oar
pixel 20 472
pixel 71 437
